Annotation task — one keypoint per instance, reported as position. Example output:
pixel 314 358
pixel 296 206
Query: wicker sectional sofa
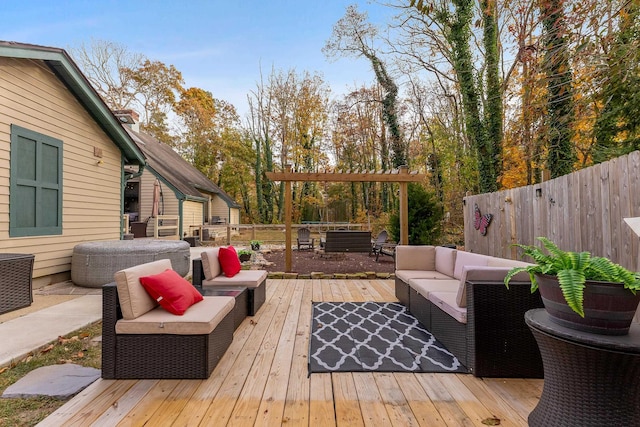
pixel 141 340
pixel 461 299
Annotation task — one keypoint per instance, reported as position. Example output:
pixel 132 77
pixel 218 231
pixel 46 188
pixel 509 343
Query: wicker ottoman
pixel 93 264
pixel 16 272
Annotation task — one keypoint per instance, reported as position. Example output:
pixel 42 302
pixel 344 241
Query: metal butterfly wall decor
pixel 481 222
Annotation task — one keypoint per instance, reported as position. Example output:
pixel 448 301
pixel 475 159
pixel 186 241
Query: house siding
pixel 32 97
pixel 191 215
pixel 219 208
pixel 235 216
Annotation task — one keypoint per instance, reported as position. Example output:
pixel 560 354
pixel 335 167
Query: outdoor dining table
pixel 589 379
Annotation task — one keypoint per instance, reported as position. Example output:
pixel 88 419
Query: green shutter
pixel 35 194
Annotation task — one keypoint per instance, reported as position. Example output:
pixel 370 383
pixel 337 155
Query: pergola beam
pixel 401 176
pixel 393 176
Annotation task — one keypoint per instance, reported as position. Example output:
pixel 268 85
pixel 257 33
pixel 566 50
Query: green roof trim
pixel 59 61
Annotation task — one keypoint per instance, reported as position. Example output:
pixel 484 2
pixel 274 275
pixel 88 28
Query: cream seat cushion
pixel 248 278
pixel 446 301
pixel 407 275
pixel 134 299
pixel 199 319
pixel 425 286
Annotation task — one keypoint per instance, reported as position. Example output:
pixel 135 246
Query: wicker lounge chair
pixel 304 239
pixel 178 354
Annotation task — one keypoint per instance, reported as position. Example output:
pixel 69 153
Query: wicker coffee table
pixel 589 379
pixel 240 293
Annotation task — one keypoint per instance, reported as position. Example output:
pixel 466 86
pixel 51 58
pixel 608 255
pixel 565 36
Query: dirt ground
pixel 305 262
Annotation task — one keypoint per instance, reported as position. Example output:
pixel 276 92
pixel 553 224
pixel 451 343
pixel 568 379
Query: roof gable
pixel 68 72
pixel 179 173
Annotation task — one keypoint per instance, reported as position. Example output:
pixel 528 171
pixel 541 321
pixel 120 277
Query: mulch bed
pixel 306 262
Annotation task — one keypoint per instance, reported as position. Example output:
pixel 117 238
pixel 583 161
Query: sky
pixel 219 45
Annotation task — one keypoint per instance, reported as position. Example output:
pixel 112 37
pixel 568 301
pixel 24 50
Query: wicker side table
pixel 241 295
pixel 589 379
pixel 16 272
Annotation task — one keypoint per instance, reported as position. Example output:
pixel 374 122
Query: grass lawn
pixel 77 347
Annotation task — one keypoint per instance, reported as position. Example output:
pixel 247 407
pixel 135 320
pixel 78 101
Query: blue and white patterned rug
pixel 371 336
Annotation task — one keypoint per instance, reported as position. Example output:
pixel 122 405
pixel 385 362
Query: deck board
pixel 263 380
pixel 395 401
pixel 296 410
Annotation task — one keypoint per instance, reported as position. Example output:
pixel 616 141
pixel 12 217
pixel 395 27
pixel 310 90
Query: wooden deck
pixel 262 380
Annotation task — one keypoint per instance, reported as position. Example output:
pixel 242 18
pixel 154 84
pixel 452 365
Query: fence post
pixel 228 234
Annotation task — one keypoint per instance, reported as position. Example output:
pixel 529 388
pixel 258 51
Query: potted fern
pixel 581 291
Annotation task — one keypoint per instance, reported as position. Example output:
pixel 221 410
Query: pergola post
pixel 402 176
pixel 404 209
pixel 287 221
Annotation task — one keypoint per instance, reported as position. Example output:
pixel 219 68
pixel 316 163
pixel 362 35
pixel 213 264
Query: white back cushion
pixel 419 257
pixel 134 299
pixel 445 260
pixel 210 263
pixel 468 258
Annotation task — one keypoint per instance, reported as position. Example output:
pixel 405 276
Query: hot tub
pixel 93 264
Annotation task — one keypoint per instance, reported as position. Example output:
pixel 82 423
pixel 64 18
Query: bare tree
pixel 354 36
pixel 102 63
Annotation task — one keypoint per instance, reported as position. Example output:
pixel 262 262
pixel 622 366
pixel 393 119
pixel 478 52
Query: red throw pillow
pixel 173 293
pixel 229 261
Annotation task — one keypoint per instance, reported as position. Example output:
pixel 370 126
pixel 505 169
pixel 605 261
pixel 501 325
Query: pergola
pixel 401 176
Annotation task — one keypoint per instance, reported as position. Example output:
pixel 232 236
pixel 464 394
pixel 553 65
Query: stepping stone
pixel 58 381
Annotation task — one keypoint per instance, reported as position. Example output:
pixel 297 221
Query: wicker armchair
pixel 153 356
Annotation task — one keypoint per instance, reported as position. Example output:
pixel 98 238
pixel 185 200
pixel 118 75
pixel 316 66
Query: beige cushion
pixel 248 278
pixel 445 260
pixel 468 258
pixel 425 286
pixel 484 274
pixel 199 319
pixel 210 263
pixel 134 300
pixel 407 275
pixel 446 301
pixel 415 258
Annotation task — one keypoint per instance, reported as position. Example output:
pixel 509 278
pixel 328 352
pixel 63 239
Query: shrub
pixel 425 216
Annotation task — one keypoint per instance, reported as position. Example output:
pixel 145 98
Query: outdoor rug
pixel 371 336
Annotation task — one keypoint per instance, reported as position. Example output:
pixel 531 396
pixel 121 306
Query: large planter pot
pixel 244 257
pixel 608 307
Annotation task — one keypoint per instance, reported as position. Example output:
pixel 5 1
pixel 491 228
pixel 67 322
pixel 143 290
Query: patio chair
pixel 304 239
pixel 376 245
pixel 380 246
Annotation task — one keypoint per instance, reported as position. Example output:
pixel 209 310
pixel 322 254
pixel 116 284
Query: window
pixel 35 198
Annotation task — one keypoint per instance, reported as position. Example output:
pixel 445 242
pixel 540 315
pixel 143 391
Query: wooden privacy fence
pixel 582 211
